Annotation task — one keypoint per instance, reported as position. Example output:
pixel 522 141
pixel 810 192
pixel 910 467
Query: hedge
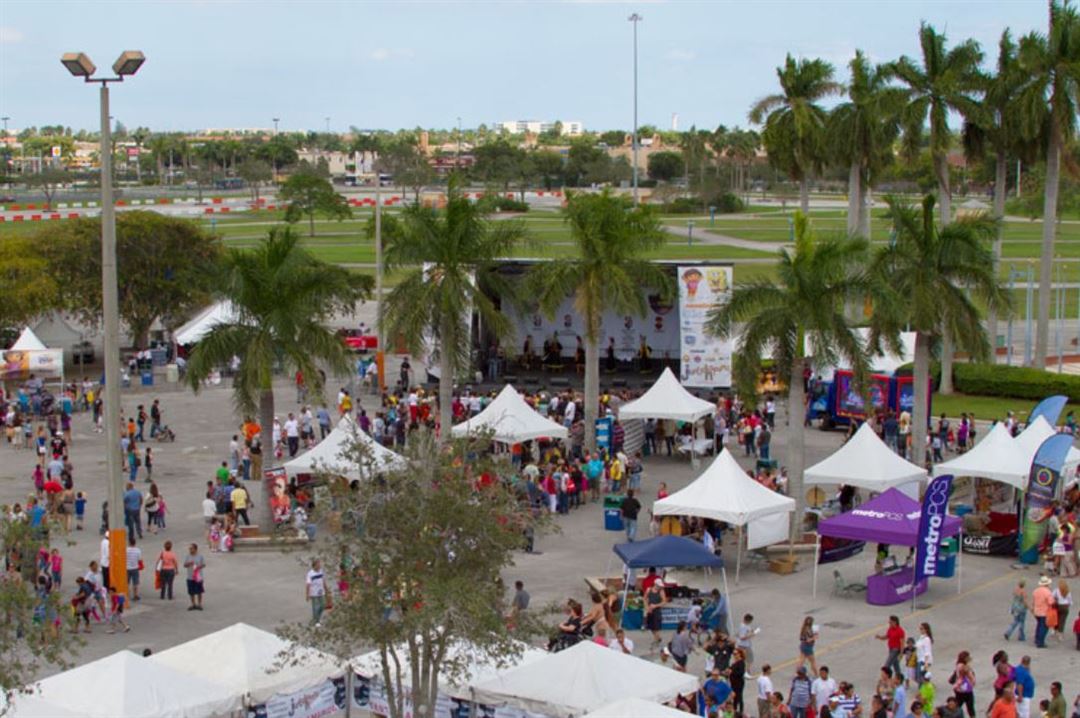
pixel 1014 382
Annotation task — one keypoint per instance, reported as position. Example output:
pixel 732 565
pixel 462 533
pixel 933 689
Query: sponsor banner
pixel 369 694
pixel 325 699
pixel 935 508
pixel 603 433
pixel 705 360
pixel 849 402
pixel 837 549
pixel 1007 545
pixel 1042 488
pixel 18 364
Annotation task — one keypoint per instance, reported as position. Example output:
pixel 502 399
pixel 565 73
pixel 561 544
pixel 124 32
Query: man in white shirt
pixel 105 561
pixel 292 434
pixel 823 688
pixel 315 591
pixel 621 643
pixel 569 413
pixel 764 692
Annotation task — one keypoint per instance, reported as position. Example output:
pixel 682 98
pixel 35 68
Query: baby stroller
pixel 166 434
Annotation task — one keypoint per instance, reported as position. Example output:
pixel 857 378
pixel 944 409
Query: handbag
pixel 1052 617
pixel 157 580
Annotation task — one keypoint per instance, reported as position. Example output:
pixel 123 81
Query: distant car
pixel 82 353
pixel 5 198
pixel 356 340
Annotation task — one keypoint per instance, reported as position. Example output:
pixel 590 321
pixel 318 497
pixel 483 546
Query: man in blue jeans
pixel 629 509
pixel 132 505
pixel 1042 598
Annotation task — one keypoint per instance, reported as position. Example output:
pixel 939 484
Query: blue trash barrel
pixel 148 378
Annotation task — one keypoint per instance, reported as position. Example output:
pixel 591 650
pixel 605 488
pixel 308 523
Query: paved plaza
pixel 267 589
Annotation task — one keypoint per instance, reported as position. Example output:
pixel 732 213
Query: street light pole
pixel 81 66
pixel 275 124
pixel 635 19
pixel 380 355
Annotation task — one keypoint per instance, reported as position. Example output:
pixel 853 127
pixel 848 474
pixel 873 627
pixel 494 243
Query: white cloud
pixel 681 55
pixel 9 35
pixel 382 54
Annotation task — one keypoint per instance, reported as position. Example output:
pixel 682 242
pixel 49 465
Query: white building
pixel 570 128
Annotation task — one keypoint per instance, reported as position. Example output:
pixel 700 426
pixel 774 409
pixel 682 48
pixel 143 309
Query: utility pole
pixel 380 355
pixel 457 160
pixel 635 19
pixel 275 124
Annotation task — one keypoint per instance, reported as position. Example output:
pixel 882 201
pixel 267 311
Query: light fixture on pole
pixel 79 65
pixel 275 124
pixel 635 19
pixel 327 124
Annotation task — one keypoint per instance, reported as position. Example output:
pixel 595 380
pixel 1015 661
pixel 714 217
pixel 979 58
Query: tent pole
pixel 960 561
pixel 348 690
pixel 693 447
pixel 817 557
pixel 727 598
pixel 625 591
pixel 738 553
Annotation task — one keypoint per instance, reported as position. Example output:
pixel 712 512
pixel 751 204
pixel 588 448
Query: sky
pixel 391 65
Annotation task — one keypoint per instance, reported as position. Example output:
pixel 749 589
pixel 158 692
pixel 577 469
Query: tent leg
pixel 960 562
pixel 625 591
pixel 694 463
pixel 738 553
pixel 349 673
pixel 817 557
pixel 727 600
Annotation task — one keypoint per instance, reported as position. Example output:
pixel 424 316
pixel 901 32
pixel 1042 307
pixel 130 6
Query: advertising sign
pixel 705 360
pixel 1042 487
pixel 16 364
pixel 603 433
pixel 934 509
pixel 849 402
pixel 991 545
pixel 325 699
pixel 837 549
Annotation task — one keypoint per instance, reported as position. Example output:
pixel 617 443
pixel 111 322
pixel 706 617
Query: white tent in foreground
pixel 1031 438
pixel 635 708
pixel 724 492
pixel 124 685
pixel 243 659
pixel 866 462
pixel 200 325
pixel 580 679
pixel 330 455
pixel 28 342
pixel 510 420
pixel 996 457
pixel 666 399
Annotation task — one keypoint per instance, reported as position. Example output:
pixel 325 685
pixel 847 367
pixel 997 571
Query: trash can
pixel 148 378
pixel 613 513
pixel 946 563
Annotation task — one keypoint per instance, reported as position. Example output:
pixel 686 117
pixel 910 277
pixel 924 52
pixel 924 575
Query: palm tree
pixel 861 134
pixel 282 297
pixel 802 308
pixel 943 82
pixel 926 279
pixel 607 273
pixel 997 130
pixel 449 259
pixel 794 133
pixel 1049 108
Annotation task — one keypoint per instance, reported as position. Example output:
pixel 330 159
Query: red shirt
pixel 894 638
pixel 1003 709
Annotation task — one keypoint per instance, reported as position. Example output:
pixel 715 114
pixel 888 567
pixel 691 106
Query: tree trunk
pixel 1001 169
pixel 261 509
pixel 804 195
pixel 864 206
pixel 592 389
pixel 946 361
pixel 920 402
pixel 941 170
pixel 1053 178
pixel 311 224
pixel 796 445
pixel 854 197
pixel 446 392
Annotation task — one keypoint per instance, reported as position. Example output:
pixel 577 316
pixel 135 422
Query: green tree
pixel 447 258
pixel 862 132
pixel 309 194
pixel 498 163
pixel 804 307
pixel 49 181
pixel 283 298
pixel 607 272
pixel 996 130
pixel 163 265
pixel 406 163
pixel 1049 106
pixel 665 166
pixel 613 138
pixel 432 517
pixel 932 279
pixel 256 173
pixel 794 132
pixel 549 167
pixel 27 282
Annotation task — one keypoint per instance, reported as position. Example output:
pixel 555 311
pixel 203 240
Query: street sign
pixel 56 151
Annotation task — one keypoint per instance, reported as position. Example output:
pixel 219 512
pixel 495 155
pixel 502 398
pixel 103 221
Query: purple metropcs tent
pixel 889 518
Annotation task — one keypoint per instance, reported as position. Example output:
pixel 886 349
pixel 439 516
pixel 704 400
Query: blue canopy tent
pixel 668 552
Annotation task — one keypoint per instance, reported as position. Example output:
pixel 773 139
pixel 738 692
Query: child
pixel 909 661
pixel 693 620
pixel 80 510
pixel 215 536
pixel 926 689
pixel 117 616
pixel 1076 630
pixel 56 567
pixel 80 603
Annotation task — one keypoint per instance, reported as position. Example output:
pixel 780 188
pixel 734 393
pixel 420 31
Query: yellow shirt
pixel 239 498
pixel 615 471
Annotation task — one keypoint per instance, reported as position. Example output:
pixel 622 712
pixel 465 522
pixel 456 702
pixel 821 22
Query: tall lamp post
pixel 79 65
pixel 635 19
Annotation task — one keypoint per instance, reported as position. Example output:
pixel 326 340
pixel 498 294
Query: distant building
pixel 570 128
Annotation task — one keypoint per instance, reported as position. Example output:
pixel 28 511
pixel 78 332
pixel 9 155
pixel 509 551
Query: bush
pixel 1014 382
pixel 683 205
pixel 500 203
pixel 727 203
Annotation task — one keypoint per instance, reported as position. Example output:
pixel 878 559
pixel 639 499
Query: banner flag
pixel 1042 487
pixel 934 509
pixel 1049 408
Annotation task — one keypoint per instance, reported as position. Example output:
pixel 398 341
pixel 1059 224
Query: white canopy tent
pixel 124 685
pixel 246 662
pixel 201 324
pixel 666 399
pixel 865 461
pixel 1032 437
pixel 331 455
pixel 637 708
pixel 28 342
pixel 583 678
pixel 723 492
pixel 885 362
pixel 997 457
pixel 511 420
pixel 29 356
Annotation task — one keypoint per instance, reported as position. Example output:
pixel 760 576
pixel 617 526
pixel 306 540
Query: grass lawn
pixel 986 408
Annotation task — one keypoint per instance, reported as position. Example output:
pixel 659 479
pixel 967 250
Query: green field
pixel 985 408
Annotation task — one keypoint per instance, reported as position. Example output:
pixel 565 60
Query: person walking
pixel 924 650
pixel 963 683
pixel 744 640
pixel 1025 687
pixel 148 463
pixel 152 504
pixel 808 635
pixel 894 640
pixel 629 508
pixel 1018 609
pixel 800 694
pixel 167 564
pixel 737 678
pixel 1042 600
pixel 655 599
pixel 1062 602
pixel 195 564
pixel 132 506
pixel 133 557
pixel 315 591
pixel 240 499
pixel 765 692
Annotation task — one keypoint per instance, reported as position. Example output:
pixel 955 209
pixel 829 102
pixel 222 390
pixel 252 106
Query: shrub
pixel 683 205
pixel 1014 382
pixel 727 203
pixel 499 203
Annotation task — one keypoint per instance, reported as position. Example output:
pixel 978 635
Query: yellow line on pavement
pixel 872 631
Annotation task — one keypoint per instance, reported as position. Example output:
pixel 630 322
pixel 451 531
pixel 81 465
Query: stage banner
pixel 934 509
pixel 325 699
pixel 1042 487
pixel 705 359
pixel 603 433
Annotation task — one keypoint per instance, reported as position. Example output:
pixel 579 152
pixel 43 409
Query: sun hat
pixel 1046 581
